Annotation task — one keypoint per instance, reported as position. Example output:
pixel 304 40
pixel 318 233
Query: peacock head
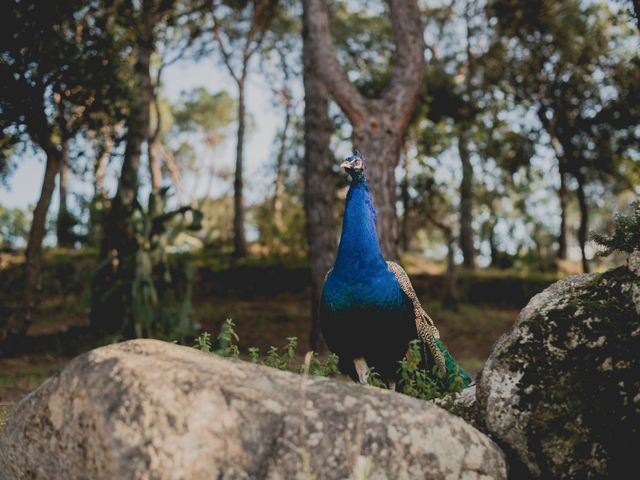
pixel 354 165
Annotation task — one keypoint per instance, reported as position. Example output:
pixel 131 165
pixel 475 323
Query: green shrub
pixel 626 232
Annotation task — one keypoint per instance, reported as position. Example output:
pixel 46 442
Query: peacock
pixel 369 311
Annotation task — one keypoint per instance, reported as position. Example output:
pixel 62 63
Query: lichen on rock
pixel 560 391
pixel 150 409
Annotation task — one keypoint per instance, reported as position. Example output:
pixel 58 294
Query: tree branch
pixel 316 22
pixel 408 73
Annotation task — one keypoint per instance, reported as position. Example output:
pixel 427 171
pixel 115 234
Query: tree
pixel 51 86
pixel 380 123
pixel 319 194
pixel 564 61
pixel 239 29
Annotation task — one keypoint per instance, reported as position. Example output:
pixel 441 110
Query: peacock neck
pixel 359 250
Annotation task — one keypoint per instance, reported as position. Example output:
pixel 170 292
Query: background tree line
pixel 498 133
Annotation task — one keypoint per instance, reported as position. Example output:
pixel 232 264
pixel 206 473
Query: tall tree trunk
pixel 18 324
pixel 379 124
pixel 319 193
pixel 404 195
pixel 239 241
pixel 466 201
pixel 451 298
pixel 381 143
pixel 153 137
pixel 279 186
pixel 154 164
pixel 63 223
pixel 101 163
pixel 584 221
pixel 563 197
pixel 119 243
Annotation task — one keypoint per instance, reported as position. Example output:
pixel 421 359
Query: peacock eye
pixel 357 164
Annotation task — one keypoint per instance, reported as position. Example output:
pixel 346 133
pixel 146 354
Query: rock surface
pixel 146 409
pixel 561 391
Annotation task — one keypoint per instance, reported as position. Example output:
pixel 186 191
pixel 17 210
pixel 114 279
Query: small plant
pixel 626 233
pixel 415 382
pixel 203 342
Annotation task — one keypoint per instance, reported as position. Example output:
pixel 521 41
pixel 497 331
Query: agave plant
pixel 149 292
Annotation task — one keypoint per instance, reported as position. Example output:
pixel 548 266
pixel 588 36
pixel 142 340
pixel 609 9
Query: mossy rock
pixel 561 391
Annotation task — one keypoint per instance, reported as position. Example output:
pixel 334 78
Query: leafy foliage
pixel 417 382
pixel 626 232
pixel 150 294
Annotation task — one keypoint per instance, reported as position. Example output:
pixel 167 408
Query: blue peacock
pixel 369 312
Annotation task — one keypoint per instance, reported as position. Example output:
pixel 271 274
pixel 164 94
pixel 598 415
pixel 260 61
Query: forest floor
pixel 469 333
pixel 267 299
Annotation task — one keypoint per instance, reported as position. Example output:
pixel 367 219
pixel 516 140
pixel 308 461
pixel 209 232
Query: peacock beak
pixel 346 165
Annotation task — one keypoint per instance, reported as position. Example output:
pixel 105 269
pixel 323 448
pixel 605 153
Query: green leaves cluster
pixel 416 382
pixel 626 232
pixel 150 294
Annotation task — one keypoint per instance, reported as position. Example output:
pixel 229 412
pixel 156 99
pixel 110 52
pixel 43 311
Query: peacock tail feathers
pixel 452 368
pixel 427 331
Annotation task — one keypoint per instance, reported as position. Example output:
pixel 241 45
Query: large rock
pixel 146 409
pixel 561 391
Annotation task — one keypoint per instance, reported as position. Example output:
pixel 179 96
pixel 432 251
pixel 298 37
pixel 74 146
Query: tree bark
pixel 451 299
pixel 466 201
pixel 239 241
pixel 583 228
pixel 18 325
pixel 63 233
pixel 101 163
pixel 319 193
pixel 279 186
pixel 119 242
pixel 404 195
pixel 379 124
pixel 563 197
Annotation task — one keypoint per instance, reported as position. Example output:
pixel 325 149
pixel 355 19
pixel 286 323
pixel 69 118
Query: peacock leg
pixel 362 369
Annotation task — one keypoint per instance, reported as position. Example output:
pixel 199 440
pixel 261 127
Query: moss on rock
pixel 573 410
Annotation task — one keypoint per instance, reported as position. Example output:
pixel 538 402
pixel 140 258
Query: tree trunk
pixel 101 163
pixel 379 124
pixel 18 324
pixel 154 165
pixel 563 197
pixel 319 192
pixel 153 137
pixel 239 241
pixel 63 223
pixel 466 201
pixel 279 186
pixel 381 143
pixel 119 243
pixel 451 299
pixel 404 195
pixel 583 229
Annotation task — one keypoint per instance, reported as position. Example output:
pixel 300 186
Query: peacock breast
pixel 371 291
